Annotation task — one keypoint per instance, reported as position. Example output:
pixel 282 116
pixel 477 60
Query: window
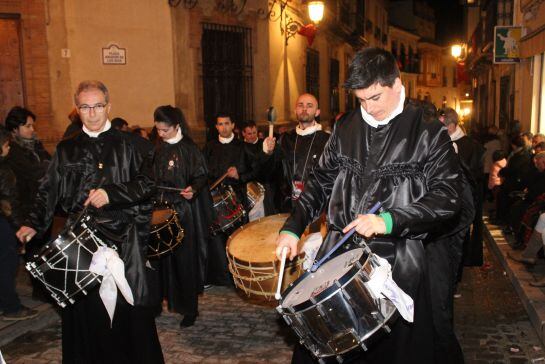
pixel 313 73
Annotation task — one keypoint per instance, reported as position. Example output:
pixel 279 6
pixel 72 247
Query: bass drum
pixel 252 258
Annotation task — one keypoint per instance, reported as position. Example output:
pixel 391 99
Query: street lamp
pixel 459 51
pixel 316 11
pixel 289 26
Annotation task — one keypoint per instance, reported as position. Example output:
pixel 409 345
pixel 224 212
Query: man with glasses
pixel 99 171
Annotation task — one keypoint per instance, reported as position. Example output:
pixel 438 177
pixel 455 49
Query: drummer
pixel 100 169
pixel 298 150
pixel 178 163
pixel 253 148
pixel 383 152
pixel 225 155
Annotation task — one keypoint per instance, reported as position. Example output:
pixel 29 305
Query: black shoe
pixel 22 314
pixel 188 320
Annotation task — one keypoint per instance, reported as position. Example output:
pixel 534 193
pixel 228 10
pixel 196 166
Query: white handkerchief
pixel 382 283
pixel 106 262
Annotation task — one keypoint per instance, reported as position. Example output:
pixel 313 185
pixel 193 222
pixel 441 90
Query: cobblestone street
pixel 490 319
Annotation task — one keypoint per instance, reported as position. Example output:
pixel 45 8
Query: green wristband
pixel 387 217
pixel 290 233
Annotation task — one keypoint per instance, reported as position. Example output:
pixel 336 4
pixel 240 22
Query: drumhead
pixel 312 284
pixel 160 216
pixel 256 242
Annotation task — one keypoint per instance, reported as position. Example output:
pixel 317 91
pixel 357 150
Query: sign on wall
pixel 506 44
pixel 113 55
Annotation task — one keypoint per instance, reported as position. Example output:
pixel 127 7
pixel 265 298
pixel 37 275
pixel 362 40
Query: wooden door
pixel 11 75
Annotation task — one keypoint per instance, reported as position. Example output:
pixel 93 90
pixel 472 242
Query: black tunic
pixel 295 157
pixel 180 165
pixel 73 172
pixel 410 167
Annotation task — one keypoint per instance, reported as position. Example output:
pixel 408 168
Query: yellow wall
pixel 143 28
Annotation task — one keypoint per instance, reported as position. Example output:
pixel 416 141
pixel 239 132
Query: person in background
pixel 10 304
pixel 74 127
pixel 120 124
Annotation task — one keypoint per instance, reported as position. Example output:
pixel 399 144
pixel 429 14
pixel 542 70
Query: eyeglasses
pixel 98 108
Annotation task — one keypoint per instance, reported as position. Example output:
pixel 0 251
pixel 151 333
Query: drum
pixel 63 264
pixel 333 310
pixel 255 192
pixel 228 211
pixel 166 232
pixel 252 259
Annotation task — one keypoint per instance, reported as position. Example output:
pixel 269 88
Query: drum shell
pixel 261 279
pixel 165 234
pixel 342 317
pixel 63 264
pixel 228 211
pixel 254 191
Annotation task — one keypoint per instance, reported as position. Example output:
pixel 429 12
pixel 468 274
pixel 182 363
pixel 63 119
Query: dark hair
pixel 172 116
pixel 92 85
pixel 119 123
pixel 5 135
pixel 17 117
pixel 223 114
pixel 498 155
pixel 249 124
pixel 429 111
pixel 371 66
pixel 517 141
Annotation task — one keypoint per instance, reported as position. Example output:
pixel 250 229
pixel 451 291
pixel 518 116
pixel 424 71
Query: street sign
pixel 506 44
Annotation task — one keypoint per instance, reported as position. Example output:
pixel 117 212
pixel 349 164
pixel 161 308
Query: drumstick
pixel 218 181
pixel 351 232
pixel 271 118
pixel 170 188
pixel 281 276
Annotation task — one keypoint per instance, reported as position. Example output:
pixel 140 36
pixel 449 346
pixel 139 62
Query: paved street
pixel 491 324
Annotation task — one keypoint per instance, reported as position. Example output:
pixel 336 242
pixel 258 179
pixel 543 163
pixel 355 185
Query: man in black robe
pixel 253 147
pixel 383 152
pixel 298 150
pixel 225 155
pixel 100 169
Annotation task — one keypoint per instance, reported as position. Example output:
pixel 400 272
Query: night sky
pixel 449 15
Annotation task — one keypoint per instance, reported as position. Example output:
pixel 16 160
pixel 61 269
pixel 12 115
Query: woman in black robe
pixel 178 163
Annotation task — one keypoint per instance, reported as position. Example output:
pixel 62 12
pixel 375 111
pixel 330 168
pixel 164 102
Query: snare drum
pixel 252 258
pixel 332 310
pixel 166 232
pixel 255 192
pixel 228 211
pixel 63 264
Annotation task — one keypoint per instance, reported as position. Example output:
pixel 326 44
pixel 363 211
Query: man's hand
pixel 97 198
pixel 187 193
pixel 268 145
pixel 232 172
pixel 367 225
pixel 25 233
pixel 289 241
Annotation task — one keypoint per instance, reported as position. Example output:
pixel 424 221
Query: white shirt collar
pixel 176 138
pixel 95 134
pixel 398 110
pixel 458 133
pixel 309 129
pixel 226 140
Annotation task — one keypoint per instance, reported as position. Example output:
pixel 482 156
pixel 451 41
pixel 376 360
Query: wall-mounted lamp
pixel 288 26
pixel 459 51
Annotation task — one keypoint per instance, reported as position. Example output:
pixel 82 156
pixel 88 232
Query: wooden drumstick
pixel 170 188
pixel 281 276
pixel 218 181
pixel 271 118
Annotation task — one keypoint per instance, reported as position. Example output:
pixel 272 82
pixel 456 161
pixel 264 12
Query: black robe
pixel 180 165
pixel 305 151
pixel 112 162
pixel 410 167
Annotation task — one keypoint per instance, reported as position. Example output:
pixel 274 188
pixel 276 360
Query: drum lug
pixel 321 360
pixel 362 344
pixel 386 328
pixel 84 292
pixel 71 300
pixel 346 295
pixel 321 310
pixel 377 315
pixel 339 359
